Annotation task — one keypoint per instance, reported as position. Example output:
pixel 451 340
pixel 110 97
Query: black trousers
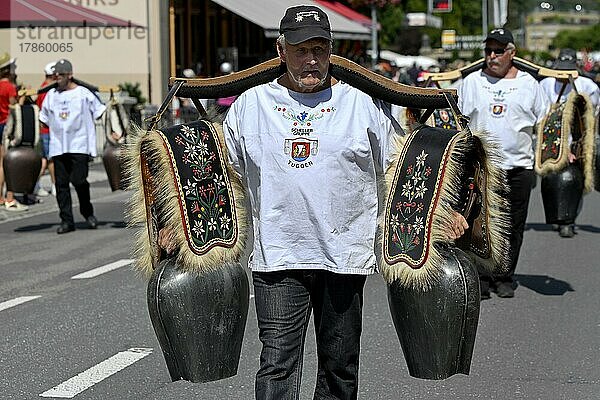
pixel 72 168
pixel 284 302
pixel 520 182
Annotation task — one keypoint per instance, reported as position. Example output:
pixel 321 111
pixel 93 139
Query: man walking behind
pixel 70 111
pixel 507 103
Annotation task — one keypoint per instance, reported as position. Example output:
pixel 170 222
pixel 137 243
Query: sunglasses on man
pixel 497 51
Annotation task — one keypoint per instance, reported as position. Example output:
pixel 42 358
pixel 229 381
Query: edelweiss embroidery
pixel 204 186
pixel 552 134
pixel 408 222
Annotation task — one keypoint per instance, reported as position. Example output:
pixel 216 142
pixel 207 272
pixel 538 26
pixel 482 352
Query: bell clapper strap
pixel 118 111
pixel 155 119
pixel 565 82
pixel 199 107
pixel 562 90
pixel 572 82
pixel 425 115
pixel 461 120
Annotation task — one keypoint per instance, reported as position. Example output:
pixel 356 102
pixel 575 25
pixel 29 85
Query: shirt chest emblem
pixel 300 150
pixel 498 110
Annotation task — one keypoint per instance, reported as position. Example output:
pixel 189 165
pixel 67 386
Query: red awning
pixel 345 11
pixel 53 13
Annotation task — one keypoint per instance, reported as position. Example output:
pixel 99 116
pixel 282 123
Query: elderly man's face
pixel 498 58
pixel 307 63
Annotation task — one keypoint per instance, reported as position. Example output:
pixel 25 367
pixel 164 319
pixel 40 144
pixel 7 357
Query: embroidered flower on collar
pixel 304 117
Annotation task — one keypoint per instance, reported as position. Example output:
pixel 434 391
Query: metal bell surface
pixel 437 327
pixel 113 164
pixel 561 194
pixel 22 166
pixel 199 319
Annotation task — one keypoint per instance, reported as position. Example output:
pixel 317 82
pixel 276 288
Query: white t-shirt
pixel 583 84
pixel 70 114
pixel 508 110
pixel 309 160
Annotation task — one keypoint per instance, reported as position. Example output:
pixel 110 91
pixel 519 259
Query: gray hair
pixel 281 43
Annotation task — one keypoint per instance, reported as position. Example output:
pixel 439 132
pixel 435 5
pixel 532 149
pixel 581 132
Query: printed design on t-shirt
pixel 498 106
pixel 498 110
pixel 64 112
pixel 500 95
pixel 303 118
pixel 300 150
pixel 407 223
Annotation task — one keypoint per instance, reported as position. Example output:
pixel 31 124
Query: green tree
pixel 587 38
pixel 465 18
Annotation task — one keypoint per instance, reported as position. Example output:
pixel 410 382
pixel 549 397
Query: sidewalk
pixel 48 204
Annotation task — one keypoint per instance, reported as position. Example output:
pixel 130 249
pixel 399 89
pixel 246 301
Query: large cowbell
pixel 22 163
pixel 433 287
pixel 116 125
pixel 198 298
pixel 561 194
pixel 199 319
pixel 113 165
pixel 437 328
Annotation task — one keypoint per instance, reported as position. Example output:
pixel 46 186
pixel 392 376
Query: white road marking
pixel 15 302
pixel 101 270
pixel 77 384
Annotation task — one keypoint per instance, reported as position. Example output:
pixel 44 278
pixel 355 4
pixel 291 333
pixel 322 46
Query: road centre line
pixel 77 384
pixel 16 301
pixel 101 270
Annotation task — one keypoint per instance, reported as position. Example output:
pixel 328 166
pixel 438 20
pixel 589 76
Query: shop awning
pixel 268 13
pixel 352 15
pixel 53 13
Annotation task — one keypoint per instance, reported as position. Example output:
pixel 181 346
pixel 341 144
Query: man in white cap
pixel 45 134
pixel 70 111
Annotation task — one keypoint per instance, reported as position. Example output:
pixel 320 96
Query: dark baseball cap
pixel 567 59
pixel 501 35
pixel 63 66
pixel 301 23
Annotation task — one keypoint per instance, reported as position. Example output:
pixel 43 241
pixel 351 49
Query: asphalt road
pixel 91 338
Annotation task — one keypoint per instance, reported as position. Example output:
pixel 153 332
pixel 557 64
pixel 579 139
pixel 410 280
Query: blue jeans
pixel 45 139
pixel 284 301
